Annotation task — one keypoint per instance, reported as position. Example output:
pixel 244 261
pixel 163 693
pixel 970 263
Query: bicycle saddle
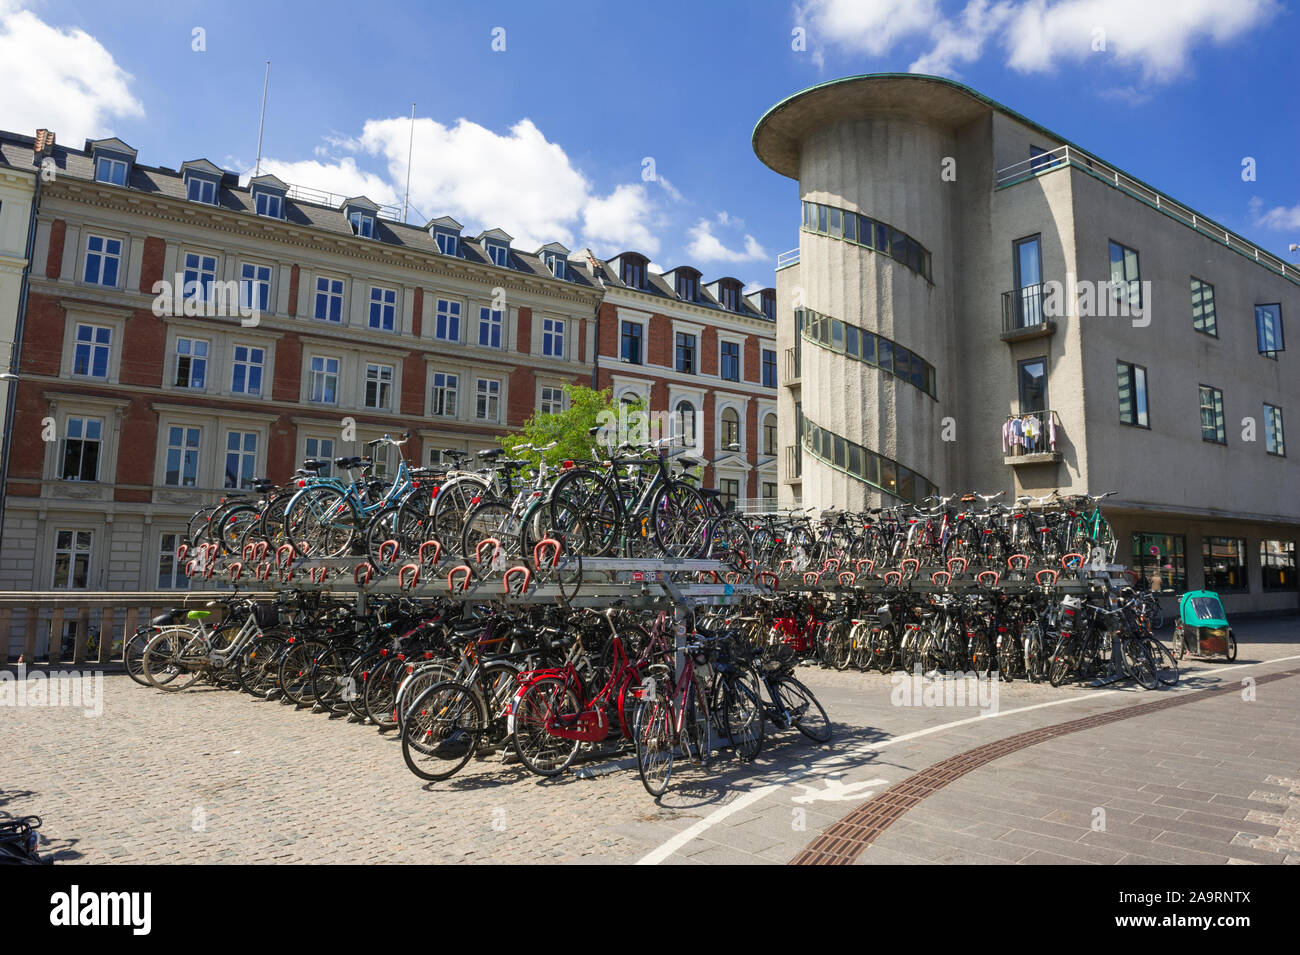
pixel 348 463
pixel 261 485
pixel 314 464
pixel 490 454
pixel 171 616
pixel 199 614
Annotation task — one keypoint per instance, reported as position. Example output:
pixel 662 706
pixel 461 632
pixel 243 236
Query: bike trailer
pixel 1202 626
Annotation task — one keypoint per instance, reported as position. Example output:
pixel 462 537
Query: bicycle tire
pixel 442 730
pixel 542 752
pixel 819 729
pixel 679 521
pixel 1166 666
pixel 163 666
pixel 258 667
pixel 653 731
pixel 585 513
pixel 742 715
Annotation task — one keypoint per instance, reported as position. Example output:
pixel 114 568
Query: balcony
pixel 1023 316
pixel 791 376
pixel 786 259
pixel 793 462
pixel 1032 438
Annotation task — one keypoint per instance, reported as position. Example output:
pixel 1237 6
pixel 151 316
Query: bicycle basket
pixel 267 615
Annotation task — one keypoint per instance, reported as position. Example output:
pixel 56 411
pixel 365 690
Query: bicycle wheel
pixel 585 513
pixel 258 667
pixel 653 729
pixel 295 670
pixel 329 678
pixel 236 521
pixel 882 648
pixel 489 518
pixel 742 715
pixel 454 499
pixel 133 654
pixel 680 521
pixel 729 541
pixel 697 728
pixel 412 680
pixel 1166 667
pixel 321 522
pixel 1061 663
pixel 442 730
pixel 1135 656
pixel 165 658
pixel 806 713
pixel 538 749
pixel 981 654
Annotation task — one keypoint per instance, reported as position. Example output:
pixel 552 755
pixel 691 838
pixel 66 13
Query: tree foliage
pixel 585 408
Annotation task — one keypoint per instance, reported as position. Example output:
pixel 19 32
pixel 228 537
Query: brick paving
pixel 214 776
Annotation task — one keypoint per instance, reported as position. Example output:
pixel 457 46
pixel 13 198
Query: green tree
pixel 586 408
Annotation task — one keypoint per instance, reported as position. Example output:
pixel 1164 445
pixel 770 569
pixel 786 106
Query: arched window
pixel 730 429
pixel 684 426
pixel 769 434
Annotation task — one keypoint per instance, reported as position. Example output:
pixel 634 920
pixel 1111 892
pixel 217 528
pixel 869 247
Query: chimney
pixel 44 145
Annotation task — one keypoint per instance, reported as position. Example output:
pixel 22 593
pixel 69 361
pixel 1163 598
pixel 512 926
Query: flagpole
pixel 410 150
pixel 262 121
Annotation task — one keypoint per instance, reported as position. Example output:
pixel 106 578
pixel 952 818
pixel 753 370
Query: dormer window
pixel 633 272
pixel 270 205
pixel 688 287
pixel 729 297
pixel 447 242
pixel 446 235
pixel 111 171
pixel 362 225
pixel 498 254
pixel 768 300
pixel 202 190
pixel 558 265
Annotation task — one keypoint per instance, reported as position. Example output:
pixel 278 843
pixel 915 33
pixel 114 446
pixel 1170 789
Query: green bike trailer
pixel 1202 626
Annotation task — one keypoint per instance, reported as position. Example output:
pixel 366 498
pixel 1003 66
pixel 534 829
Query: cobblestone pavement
pixel 215 776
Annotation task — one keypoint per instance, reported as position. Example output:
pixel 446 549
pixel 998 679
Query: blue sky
pixel 548 138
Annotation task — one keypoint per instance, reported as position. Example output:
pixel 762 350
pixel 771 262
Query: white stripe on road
pixel 690 833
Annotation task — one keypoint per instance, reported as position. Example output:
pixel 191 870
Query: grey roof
pixel 16 151
pixel 656 284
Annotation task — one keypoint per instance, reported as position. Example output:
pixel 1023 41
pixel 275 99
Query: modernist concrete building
pixel 977 303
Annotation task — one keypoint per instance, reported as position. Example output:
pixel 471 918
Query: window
pixel 730 361
pixel 379 387
pixel 241 459
pixel 1132 394
pixel 182 457
pixel 191 363
pixel 72 559
pixel 80 457
pixel 246 370
pixel 552 400
pixel 379 460
pixel 200 273
pixel 322 449
pixel 685 423
pixel 1162 560
pixel 767 298
pixel 730 488
pixel 490 323
pixel 1224 560
pixel 730 429
pixel 91 351
pixel 1124 275
pixel 1273 442
pixel 270 205
pixel 324 380
pixel 488 399
pixel 729 297
pixel 688 287
pixel 111 171
pixel 558 265
pixel 1212 428
pixel 685 357
pixel 1033 382
pixel 1027 300
pixel 446 242
pixel 1203 316
pixel 329 299
pixel 498 254
pixel 631 344
pixel 171 572
pixel 362 224
pixel 1277 564
pixel 1268 329
pixel 553 337
pixel 633 273
pixel 255 286
pixel 383 308
pixel 444 394
pixel 103 259
pixel 446 325
pixel 769 368
pixel 201 190
pixel 1038 158
pixel 769 434
pixel 769 495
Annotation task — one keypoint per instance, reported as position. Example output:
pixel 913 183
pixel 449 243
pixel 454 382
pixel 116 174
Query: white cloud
pixel 1153 37
pixel 1279 217
pixel 619 222
pixel 707 247
pixel 58 79
pixel 341 176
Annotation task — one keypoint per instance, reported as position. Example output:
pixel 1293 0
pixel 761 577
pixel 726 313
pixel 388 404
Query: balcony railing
pixel 791 375
pixel 787 258
pixel 1023 309
pixel 1066 156
pixel 333 200
pixel 1033 435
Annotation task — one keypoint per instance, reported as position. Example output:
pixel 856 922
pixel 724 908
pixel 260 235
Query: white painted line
pixel 696 829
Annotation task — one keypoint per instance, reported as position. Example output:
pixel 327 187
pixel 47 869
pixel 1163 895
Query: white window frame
pixel 62 453
pixel 379 380
pixel 248 365
pixel 363 224
pixel 329 294
pixel 496 318
pixel 112 164
pixel 103 255
pixel 553 331
pixel 253 290
pixel 240 454
pixel 453 391
pixel 93 346
pixel 387 309
pixel 73 552
pixel 178 579
pixel 447 243
pixel 185 450
pixel 327 471
pixel 269 199
pixel 204 185
pixel 490 399
pixel 740 357
pixel 337 374
pixel 496 250
pixel 177 356
pixel 557 402
pixel 446 316
pixel 205 279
